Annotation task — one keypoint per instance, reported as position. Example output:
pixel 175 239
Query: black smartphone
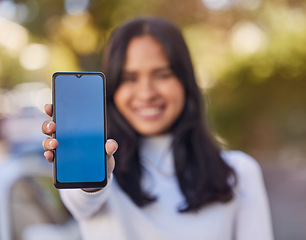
pixel 79 113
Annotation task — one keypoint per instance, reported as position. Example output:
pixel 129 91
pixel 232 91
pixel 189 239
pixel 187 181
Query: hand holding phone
pixel 79 114
pixel 48 127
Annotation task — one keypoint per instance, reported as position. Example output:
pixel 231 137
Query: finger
pixel 48 127
pixel 50 144
pixel 111 146
pixel 49 109
pixel 110 165
pixel 49 156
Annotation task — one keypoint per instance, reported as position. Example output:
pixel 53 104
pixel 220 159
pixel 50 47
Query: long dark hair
pixel 202 174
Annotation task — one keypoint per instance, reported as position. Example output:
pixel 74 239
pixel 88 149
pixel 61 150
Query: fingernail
pixel 48 125
pixel 113 141
pixel 51 143
pixel 45 154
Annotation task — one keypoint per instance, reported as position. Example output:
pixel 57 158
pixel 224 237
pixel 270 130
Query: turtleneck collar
pixel 156 152
pixel 156 144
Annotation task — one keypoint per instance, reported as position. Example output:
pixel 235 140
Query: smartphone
pixel 79 113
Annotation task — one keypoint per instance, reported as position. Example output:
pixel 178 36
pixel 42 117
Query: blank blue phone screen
pixel 79 116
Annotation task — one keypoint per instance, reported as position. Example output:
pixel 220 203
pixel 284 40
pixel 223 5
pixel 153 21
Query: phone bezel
pixel 63 185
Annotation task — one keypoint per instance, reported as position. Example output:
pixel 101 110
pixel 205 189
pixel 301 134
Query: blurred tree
pixel 248 54
pixel 259 100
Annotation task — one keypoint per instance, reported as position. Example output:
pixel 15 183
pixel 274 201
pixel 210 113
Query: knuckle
pixel 44 126
pixel 46 143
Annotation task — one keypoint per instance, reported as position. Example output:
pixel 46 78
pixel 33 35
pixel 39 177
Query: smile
pixel 149 113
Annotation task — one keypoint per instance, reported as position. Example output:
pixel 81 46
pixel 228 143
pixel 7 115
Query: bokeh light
pixel 13 36
pixel 8 9
pixel 217 4
pixel 76 7
pixel 34 56
pixel 247 38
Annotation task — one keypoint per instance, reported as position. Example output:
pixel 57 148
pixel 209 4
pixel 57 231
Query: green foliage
pixel 257 100
pixel 260 100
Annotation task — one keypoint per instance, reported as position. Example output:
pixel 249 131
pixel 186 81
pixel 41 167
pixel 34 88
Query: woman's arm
pixel 84 204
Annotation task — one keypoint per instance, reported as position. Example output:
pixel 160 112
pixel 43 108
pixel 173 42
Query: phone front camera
pixel 79 75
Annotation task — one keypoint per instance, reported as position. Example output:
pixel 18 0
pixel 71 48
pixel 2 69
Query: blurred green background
pixel 249 57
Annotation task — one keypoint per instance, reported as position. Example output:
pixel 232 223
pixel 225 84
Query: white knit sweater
pixel 110 214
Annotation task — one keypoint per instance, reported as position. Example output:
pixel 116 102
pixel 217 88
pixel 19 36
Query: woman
pixel 171 179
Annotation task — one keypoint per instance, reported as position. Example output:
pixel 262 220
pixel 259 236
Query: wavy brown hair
pixel 202 174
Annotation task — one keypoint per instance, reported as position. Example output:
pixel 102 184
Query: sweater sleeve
pixel 83 204
pixel 253 220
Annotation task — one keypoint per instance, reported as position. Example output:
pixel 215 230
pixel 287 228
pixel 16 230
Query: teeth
pixel 149 111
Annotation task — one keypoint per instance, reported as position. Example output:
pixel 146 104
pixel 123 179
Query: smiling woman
pixel 171 181
pixel 150 96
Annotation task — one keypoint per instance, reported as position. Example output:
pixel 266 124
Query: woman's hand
pixel 50 144
pixel 48 128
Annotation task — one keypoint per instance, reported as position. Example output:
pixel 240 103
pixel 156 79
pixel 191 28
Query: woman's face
pixel 150 96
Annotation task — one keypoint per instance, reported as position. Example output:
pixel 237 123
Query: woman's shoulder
pixel 242 163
